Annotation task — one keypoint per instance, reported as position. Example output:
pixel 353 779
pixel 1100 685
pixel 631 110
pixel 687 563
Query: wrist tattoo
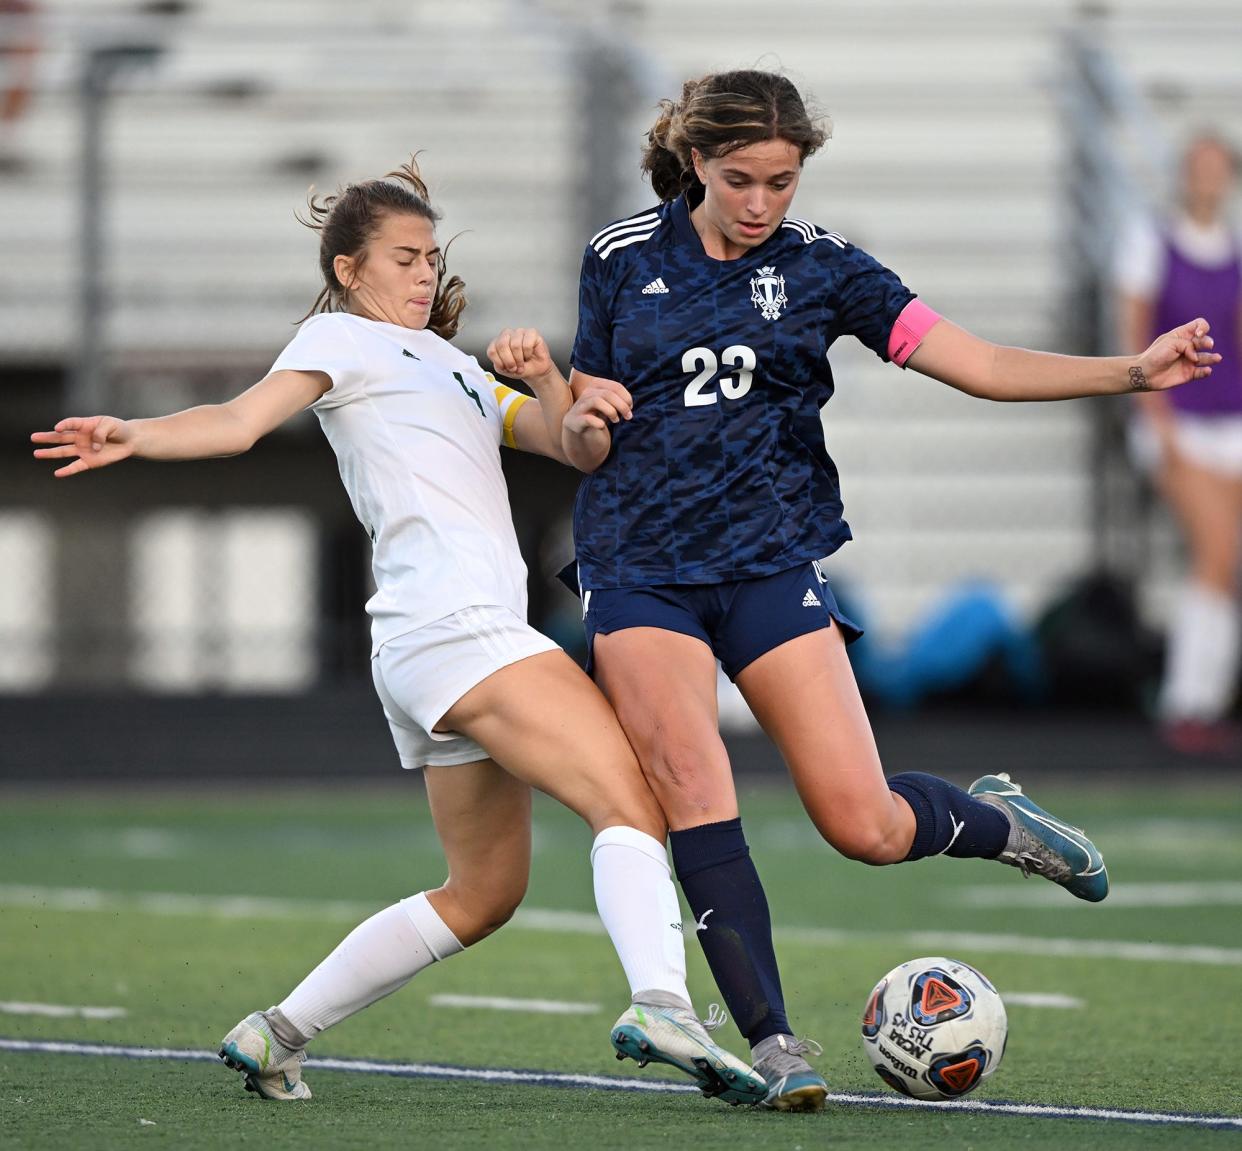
pixel 1138 381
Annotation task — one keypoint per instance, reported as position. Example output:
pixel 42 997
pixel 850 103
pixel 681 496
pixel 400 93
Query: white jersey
pixel 417 426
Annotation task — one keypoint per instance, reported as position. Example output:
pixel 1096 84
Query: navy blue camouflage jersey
pixel 722 473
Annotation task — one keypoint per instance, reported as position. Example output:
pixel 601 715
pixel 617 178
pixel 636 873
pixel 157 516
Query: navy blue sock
pixel 722 887
pixel 948 820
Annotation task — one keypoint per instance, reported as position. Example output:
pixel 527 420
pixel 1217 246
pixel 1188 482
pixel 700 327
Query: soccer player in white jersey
pixel 485 705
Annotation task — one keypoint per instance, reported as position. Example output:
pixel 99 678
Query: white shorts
pixel 1213 443
pixel 421 674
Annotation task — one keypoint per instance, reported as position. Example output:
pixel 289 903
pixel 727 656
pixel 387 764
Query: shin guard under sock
pixel 948 820
pixel 733 927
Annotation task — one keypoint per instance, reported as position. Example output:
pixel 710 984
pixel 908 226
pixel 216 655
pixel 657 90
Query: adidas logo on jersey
pixel 811 599
pixel 657 287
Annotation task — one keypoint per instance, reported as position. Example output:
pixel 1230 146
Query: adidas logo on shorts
pixel 811 599
pixel 657 287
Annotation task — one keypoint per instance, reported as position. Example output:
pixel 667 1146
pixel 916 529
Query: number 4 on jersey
pixel 704 363
pixel 465 387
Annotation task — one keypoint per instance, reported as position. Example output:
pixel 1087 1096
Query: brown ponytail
pixel 346 221
pixel 719 113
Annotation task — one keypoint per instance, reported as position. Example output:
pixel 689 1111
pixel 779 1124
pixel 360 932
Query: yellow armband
pixel 510 402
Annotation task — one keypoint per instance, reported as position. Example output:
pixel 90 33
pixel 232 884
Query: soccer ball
pixel 934 1028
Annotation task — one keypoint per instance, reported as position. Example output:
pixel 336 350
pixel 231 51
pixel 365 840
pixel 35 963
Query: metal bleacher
pixel 947 162
pixel 214 138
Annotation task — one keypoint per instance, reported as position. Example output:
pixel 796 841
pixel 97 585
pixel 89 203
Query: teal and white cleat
pixel 272 1070
pixel 655 1033
pixel 793 1084
pixel 1042 844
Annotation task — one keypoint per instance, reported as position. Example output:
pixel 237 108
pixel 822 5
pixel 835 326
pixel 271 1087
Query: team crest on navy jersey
pixel 767 293
pixel 729 371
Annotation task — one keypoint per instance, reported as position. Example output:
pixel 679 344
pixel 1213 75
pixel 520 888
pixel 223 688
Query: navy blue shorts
pixel 739 620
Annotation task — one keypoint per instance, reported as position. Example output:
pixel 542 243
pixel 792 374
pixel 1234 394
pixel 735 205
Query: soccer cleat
pixel 1044 845
pixel 271 1069
pixel 651 1033
pixel 793 1084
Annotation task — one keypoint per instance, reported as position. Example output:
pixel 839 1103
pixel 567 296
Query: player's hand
pixel 95 441
pixel 1177 357
pixel 602 403
pixel 522 354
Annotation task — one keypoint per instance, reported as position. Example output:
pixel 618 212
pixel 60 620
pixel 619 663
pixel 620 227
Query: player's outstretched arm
pixel 979 368
pixel 1134 324
pixel 522 354
pixel 598 402
pixel 196 433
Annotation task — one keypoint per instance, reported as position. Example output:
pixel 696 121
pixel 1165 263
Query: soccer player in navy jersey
pixel 699 369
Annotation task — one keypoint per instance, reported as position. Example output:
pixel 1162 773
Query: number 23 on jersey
pixel 707 386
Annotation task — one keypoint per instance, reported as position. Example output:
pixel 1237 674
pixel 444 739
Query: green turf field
pixel 112 900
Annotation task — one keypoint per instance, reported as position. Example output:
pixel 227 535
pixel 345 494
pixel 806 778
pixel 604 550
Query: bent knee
pixel 484 909
pixel 873 844
pixel 641 812
pixel 618 793
pixel 685 778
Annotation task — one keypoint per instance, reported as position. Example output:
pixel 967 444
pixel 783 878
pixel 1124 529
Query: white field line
pixel 152 843
pixel 585 923
pixel 1043 1111
pixel 1078 948
pixel 61 1011
pixel 1041 999
pixel 566 922
pixel 180 903
pixel 502 1003
pixel 1212 894
pixel 616 1083
pixel 364 1066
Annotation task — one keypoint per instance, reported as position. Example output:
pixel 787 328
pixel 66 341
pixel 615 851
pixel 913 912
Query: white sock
pixel 1202 663
pixel 379 956
pixel 638 905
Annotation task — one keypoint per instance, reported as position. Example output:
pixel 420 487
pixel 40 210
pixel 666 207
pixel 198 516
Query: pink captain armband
pixel 915 321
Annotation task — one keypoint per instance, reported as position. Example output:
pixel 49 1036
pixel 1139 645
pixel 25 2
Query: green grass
pixel 1153 1036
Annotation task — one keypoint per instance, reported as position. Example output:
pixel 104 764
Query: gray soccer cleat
pixel 655 1033
pixel 793 1084
pixel 1042 844
pixel 272 1070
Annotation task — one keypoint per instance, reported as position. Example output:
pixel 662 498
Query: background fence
pixel 152 156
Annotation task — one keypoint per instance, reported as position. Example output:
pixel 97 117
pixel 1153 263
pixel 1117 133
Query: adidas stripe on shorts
pixel 739 620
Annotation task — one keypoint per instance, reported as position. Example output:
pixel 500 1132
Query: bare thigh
pixel 482 816
pixel 804 695
pixel 546 723
pixel 663 686
pixel 1208 509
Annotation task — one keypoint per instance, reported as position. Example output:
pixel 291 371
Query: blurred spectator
pixel 18 46
pixel 1190 440
pixel 17 52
